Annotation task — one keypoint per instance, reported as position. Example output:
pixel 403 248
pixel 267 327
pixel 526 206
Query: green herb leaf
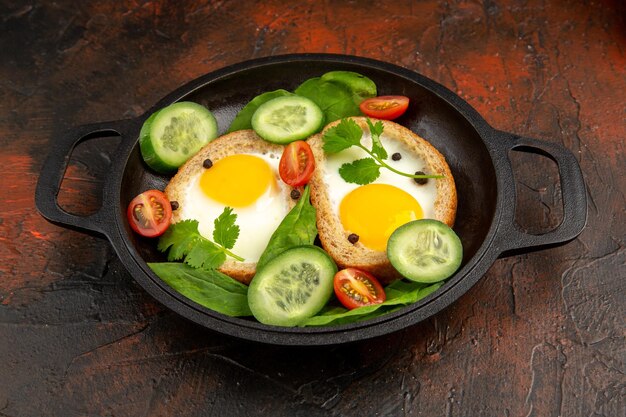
pixel 359 86
pixel 361 171
pixel 209 288
pixel 226 231
pixel 184 241
pixel 205 254
pixel 298 228
pixel 334 99
pixel 180 238
pixel 377 147
pixel 399 294
pixel 243 120
pixel 342 136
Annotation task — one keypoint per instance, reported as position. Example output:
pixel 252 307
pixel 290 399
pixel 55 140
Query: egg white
pixel 256 222
pixel 410 163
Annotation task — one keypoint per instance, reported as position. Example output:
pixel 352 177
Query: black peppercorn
pixel 396 156
pixel 295 194
pixel 420 181
pixel 207 163
pixel 353 238
pixel 174 205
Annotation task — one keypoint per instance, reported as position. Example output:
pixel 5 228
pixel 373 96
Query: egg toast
pixel 195 198
pixel 345 246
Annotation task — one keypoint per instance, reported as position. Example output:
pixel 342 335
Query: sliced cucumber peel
pixel 292 287
pixel 172 135
pixel 425 251
pixel 286 119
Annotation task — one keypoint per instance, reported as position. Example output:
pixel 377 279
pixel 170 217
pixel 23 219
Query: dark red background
pixel 541 335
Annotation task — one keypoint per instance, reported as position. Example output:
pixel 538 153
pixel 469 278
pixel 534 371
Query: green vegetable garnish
pixel 297 228
pixel 207 287
pixel 243 120
pixel 399 294
pixel 359 86
pixel 361 171
pixel 335 100
pixel 183 240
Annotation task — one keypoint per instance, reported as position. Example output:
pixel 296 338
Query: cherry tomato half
pixel 150 213
pixel 296 164
pixel 385 107
pixel 356 288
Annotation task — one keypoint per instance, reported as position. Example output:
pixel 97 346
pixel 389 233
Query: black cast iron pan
pixel 478 156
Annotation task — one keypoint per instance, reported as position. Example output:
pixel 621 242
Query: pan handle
pixel 573 191
pixel 54 168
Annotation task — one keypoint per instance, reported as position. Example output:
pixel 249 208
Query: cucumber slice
pixel 174 134
pixel 243 120
pixel 292 287
pixel 286 119
pixel 425 250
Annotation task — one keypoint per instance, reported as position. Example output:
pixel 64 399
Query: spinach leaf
pixel 298 228
pixel 334 99
pixel 358 85
pixel 209 288
pixel 399 294
pixel 243 120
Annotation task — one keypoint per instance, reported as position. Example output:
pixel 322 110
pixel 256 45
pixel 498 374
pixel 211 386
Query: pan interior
pixel 428 115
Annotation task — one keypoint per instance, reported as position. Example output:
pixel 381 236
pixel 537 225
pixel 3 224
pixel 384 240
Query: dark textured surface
pixel 541 335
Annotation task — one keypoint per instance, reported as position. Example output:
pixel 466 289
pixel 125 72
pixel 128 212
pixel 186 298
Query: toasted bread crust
pixel 242 141
pixel 332 235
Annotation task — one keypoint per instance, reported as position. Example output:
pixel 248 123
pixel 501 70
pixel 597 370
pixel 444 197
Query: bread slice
pixel 242 141
pixel 332 235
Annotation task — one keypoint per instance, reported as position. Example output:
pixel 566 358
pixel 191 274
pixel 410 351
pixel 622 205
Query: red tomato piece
pixel 296 164
pixel 355 288
pixel 150 213
pixel 385 107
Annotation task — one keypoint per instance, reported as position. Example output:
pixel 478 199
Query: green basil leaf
pixel 243 120
pixel 299 227
pixel 209 288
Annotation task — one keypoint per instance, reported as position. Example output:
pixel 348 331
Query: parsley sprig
pixel 184 241
pixel 366 170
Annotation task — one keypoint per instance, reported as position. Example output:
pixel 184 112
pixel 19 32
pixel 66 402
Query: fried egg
pixel 248 183
pixel 375 210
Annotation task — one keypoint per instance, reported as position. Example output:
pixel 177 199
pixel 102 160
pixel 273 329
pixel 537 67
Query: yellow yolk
pixel 237 180
pixel 374 211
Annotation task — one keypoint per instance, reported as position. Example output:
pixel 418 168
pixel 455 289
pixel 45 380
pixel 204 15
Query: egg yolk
pixel 374 211
pixel 237 180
